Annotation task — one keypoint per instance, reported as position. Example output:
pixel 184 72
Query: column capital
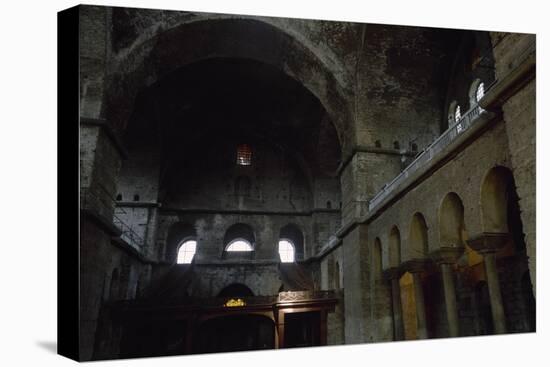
pixel 488 242
pixel 393 273
pixel 446 255
pixel 416 265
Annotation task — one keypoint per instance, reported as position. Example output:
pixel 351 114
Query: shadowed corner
pixel 50 346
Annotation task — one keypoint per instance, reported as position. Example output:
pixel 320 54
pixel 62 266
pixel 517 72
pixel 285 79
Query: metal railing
pixel 105 206
pixel 128 234
pixel 280 298
pixel 448 136
pixel 469 118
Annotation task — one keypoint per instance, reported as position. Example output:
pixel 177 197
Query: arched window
pixel 396 145
pixel 239 245
pixel 136 197
pixel 286 251
pixel 187 251
pixel 244 155
pixel 119 197
pixel 418 237
pixel 292 234
pixel 178 234
pixel 458 114
pixel 480 91
pixel 476 92
pixel 239 242
pixel 378 144
pixel 452 113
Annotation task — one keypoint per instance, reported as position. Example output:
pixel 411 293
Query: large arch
pixel 496 191
pixel 394 248
pixel 418 237
pixel 500 211
pixel 160 53
pixel 221 103
pixel 451 221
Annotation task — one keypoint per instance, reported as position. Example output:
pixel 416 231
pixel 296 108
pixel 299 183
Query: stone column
pixel 488 244
pixel 393 274
pixel 497 309
pixel 446 257
pixel 450 299
pixel 420 307
pixel 416 267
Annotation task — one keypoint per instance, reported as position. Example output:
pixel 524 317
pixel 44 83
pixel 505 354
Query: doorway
pixel 302 329
pixel 235 333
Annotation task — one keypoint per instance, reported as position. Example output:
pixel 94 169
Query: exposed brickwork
pixel 519 110
pixel 333 115
pixel 477 159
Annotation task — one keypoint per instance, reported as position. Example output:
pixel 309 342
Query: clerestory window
pixel 458 114
pixel 286 251
pixel 187 251
pixel 244 155
pixel 239 245
pixel 480 91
